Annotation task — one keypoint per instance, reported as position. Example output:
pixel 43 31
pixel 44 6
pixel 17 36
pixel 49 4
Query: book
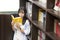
pixel 57 27
pixel 42 19
pixel 16 19
pixel 29 9
pixel 57 5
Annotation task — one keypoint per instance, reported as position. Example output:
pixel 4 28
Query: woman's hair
pixel 23 10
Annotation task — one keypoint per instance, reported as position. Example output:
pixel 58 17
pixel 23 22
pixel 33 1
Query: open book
pixel 16 19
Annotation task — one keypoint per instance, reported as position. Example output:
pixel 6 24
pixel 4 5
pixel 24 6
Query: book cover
pixel 16 19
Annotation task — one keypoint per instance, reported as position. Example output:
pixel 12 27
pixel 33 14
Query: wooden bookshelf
pixel 39 25
pixel 51 11
pixel 51 16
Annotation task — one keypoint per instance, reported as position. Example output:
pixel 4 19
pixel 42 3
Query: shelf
pixel 39 25
pixel 50 11
pixel 54 13
pixel 55 36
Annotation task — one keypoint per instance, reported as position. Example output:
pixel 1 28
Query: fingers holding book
pixel 18 24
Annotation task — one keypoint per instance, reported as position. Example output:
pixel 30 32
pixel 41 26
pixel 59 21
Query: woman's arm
pixel 12 23
pixel 26 27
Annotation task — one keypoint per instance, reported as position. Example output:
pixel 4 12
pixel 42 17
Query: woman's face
pixel 21 14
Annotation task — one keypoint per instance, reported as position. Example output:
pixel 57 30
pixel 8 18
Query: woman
pixel 21 30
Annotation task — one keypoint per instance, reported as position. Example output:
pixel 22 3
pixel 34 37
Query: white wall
pixel 9 5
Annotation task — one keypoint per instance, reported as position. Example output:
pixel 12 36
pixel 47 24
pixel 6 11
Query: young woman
pixel 21 30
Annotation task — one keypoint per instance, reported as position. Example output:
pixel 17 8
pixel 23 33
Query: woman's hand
pixel 22 30
pixel 18 25
pixel 12 23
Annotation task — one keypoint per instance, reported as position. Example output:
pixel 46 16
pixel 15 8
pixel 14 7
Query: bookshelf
pixel 50 11
pixel 50 17
pixel 39 25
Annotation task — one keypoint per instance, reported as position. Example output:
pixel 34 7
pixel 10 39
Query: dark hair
pixel 21 10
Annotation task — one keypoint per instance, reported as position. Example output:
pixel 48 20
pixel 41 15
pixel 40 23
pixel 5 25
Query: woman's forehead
pixel 21 13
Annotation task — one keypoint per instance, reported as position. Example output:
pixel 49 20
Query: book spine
pixel 29 9
pixel 57 28
pixel 42 19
